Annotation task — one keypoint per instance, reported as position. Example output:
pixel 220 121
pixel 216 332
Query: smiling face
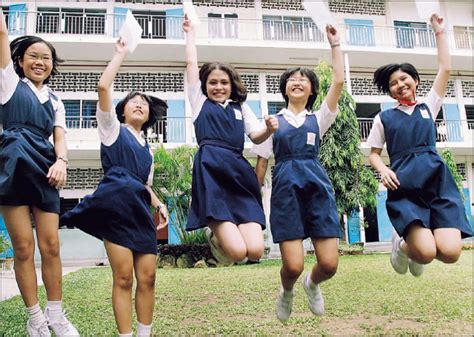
pixel 218 86
pixel 298 88
pixel 136 111
pixel 37 63
pixel 402 86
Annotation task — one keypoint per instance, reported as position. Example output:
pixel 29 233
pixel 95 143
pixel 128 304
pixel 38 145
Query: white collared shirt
pixel 108 126
pixel 197 99
pixel 8 82
pixel 324 117
pixel 377 133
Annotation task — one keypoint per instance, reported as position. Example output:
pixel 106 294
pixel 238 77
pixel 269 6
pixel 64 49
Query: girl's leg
pixel 292 257
pixel 145 268
pixel 327 255
pixel 18 223
pixel 448 244
pixel 48 242
pixel 121 261
pixel 229 239
pixel 252 235
pixel 419 245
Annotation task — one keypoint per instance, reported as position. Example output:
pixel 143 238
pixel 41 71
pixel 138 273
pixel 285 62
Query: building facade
pixel 261 39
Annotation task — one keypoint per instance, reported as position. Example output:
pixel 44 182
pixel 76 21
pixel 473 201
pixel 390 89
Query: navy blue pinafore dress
pixel 302 201
pixel 224 186
pixel 119 210
pixel 427 191
pixel 26 154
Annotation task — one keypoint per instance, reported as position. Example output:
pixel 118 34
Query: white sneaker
pixel 416 269
pixel 216 252
pixel 40 330
pixel 284 304
pixel 315 297
pixel 398 259
pixel 61 326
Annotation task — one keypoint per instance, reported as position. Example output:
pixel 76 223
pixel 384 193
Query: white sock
pixel 143 330
pixel 55 310
pixel 310 283
pixel 286 292
pixel 35 314
pixel 128 334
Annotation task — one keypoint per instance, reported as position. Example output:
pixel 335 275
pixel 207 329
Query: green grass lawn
pixel 366 297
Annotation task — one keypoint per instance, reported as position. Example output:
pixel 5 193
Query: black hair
pixel 383 73
pixel 306 72
pixel 157 108
pixel 238 89
pixel 18 48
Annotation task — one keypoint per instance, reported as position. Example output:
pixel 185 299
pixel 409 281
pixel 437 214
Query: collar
pixel 287 112
pixel 224 105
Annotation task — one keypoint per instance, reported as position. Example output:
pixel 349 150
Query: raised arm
pixel 5 56
pixel 192 70
pixel 444 58
pixel 107 79
pixel 337 68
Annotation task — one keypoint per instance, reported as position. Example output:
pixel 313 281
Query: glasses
pixel 297 80
pixel 137 102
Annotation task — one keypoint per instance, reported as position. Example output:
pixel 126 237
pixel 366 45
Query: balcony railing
pixel 162 26
pixel 446 130
pixel 174 129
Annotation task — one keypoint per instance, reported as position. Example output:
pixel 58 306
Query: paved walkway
pixel 9 288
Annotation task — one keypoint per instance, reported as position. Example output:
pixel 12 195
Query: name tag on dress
pixel 238 114
pixel 424 113
pixel 311 140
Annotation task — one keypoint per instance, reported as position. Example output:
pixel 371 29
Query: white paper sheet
pixel 191 12
pixel 320 13
pixel 131 32
pixel 426 8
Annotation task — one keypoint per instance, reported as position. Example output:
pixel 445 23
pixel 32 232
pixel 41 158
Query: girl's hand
pixel 272 123
pixel 121 47
pixel 332 35
pixel 187 25
pixel 437 23
pixel 389 179
pixel 163 216
pixel 57 174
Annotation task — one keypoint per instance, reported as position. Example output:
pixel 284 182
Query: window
pixel 152 23
pixel 275 107
pixel 464 37
pixel 289 28
pixel 414 34
pixel 360 32
pixel 223 26
pixel 70 21
pixel 367 110
pixel 470 116
pixel 80 114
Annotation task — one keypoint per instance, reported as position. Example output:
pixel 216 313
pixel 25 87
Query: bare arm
pixel 444 58
pixel 192 70
pixel 107 79
pixel 159 207
pixel 261 169
pixel 388 177
pixel 58 171
pixel 5 56
pixel 337 68
pixel 261 135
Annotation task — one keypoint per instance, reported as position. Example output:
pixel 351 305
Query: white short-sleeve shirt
pixel 197 99
pixel 324 116
pixel 8 82
pixel 109 130
pixel 377 134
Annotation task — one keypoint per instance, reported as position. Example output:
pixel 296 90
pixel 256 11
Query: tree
pixel 451 163
pixel 172 184
pixel 354 183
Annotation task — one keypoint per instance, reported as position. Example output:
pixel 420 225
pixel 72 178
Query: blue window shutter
pixel 386 105
pixel 119 19
pixel 174 23
pixel 384 224
pixel 176 121
pixel 467 206
pixel 353 227
pixel 453 123
pixel 255 106
pixel 361 32
pixel 17 19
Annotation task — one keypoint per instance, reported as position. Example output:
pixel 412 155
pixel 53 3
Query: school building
pixel 261 39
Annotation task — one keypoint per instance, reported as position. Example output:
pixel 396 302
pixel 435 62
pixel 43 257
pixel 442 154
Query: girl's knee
pixel 49 248
pixel 124 280
pixel 293 270
pixel 255 253
pixel 23 250
pixel 423 256
pixel 236 253
pixel 329 268
pixel 146 280
pixel 449 254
